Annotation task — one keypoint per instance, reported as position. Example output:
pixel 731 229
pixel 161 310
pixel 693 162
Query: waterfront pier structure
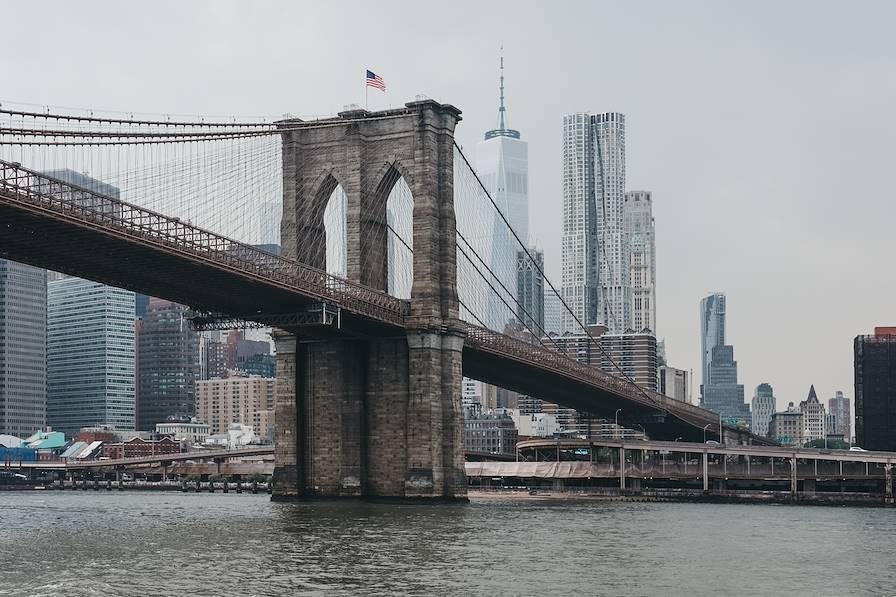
pixel 694 470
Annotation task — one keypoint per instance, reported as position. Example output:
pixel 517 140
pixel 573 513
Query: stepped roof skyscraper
pixel 723 394
pixel 719 391
pixel 712 330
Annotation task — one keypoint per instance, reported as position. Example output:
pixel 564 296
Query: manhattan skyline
pixel 755 151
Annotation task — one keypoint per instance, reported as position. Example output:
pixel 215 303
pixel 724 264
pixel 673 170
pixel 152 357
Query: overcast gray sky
pixel 765 130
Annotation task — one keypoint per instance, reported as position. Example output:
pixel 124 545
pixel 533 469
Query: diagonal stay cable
pixel 546 279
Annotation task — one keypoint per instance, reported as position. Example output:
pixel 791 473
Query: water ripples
pixel 131 543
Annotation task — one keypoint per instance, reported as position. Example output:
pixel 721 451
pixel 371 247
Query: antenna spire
pixel 501 108
pixel 502 130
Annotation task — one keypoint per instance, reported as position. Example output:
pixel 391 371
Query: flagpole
pixel 366 93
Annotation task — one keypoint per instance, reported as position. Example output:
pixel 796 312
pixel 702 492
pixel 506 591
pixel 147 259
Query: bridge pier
pixel 377 414
pixel 376 418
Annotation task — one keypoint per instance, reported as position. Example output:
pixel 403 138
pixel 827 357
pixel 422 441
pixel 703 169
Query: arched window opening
pixel 400 240
pixel 335 230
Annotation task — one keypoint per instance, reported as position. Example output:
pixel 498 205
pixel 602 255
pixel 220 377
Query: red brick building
pixel 137 448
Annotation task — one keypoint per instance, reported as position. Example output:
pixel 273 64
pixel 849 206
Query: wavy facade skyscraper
pixel 595 255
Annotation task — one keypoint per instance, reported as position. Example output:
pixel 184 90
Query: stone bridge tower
pixel 377 415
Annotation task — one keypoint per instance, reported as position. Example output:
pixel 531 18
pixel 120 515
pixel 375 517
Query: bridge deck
pixel 52 224
pixel 56 225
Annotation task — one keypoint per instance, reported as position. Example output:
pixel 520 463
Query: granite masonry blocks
pixel 374 417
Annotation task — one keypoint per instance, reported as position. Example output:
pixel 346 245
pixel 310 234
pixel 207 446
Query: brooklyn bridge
pixel 379 312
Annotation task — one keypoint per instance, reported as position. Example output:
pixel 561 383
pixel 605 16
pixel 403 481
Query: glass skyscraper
pixel 719 391
pixel 90 355
pixel 875 376
pixel 169 365
pixel 595 255
pixel 502 162
pixel 712 331
pixel 23 346
pixel 723 394
pixel 530 290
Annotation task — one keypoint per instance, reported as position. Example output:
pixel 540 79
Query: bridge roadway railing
pixel 544 358
pixel 20 185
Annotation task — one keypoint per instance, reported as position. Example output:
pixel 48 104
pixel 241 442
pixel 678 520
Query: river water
pixel 143 543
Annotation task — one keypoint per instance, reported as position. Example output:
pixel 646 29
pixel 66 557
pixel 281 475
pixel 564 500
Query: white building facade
pixel 192 432
pixel 595 255
pixel 813 417
pixel 637 221
pixel 534 424
pixel 673 383
pixel 762 407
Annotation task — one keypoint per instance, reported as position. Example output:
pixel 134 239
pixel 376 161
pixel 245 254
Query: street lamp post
pixel 705 427
pixel 617 422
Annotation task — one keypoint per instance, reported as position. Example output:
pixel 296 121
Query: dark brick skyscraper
pixel 875 367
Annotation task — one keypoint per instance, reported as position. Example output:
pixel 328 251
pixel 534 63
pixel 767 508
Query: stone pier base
pixel 376 418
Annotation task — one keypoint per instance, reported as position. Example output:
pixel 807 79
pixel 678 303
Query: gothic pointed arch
pixel 321 239
pixel 387 232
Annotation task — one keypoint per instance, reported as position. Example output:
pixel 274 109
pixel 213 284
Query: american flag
pixel 374 80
